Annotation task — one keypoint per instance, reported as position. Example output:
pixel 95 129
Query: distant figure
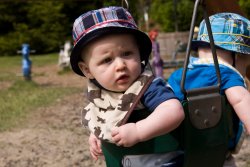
pixel 157 61
pixel 64 55
pixel 26 62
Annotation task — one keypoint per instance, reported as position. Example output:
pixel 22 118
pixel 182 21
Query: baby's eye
pixel 107 60
pixel 128 53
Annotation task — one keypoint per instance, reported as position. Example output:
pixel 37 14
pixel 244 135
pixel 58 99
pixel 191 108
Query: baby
pixel 128 106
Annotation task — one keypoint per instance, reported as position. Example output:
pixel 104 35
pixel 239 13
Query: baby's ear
pixel 85 70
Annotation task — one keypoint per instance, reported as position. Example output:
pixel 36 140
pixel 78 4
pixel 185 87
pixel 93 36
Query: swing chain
pixel 126 2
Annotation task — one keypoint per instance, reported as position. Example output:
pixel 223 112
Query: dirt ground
pixel 53 136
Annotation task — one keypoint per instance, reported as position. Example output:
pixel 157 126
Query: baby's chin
pixel 119 89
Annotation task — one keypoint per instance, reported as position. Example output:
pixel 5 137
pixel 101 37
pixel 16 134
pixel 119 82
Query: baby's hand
pixel 125 135
pixel 95 147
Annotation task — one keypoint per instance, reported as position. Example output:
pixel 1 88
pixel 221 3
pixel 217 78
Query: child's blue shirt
pixel 202 73
pixel 158 92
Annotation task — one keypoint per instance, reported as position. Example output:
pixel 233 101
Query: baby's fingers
pixel 116 138
pixel 94 156
pixel 99 147
pixel 114 131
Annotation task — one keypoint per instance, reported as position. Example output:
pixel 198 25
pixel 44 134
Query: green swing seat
pixel 207 128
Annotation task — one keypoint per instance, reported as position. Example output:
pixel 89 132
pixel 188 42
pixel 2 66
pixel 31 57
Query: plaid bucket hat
pixel 230 32
pixel 96 23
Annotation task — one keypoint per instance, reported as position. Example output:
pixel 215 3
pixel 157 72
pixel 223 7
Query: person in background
pixel 157 61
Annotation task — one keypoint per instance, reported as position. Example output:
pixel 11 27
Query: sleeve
pixel 230 78
pixel 174 81
pixel 158 92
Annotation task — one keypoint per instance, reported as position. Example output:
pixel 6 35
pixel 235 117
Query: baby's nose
pixel 120 63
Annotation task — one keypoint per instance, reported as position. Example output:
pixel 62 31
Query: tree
pixel 45 25
pixel 8 19
pixel 162 12
pixel 245 6
pixel 38 23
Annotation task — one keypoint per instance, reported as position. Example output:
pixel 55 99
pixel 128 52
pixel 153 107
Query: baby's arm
pixel 95 147
pixel 239 98
pixel 165 118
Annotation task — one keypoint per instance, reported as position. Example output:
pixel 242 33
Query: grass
pixel 37 60
pixel 21 97
pixel 11 64
pixel 41 60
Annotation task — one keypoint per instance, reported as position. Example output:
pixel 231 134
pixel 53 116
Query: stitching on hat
pixel 230 34
pixel 236 43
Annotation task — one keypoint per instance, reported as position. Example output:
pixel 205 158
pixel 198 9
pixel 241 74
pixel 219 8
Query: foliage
pixel 162 14
pixel 245 6
pixel 38 23
pixel 166 14
pixel 46 25
pixel 46 15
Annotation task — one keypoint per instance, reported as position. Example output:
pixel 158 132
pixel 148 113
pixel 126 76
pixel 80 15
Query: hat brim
pixel 195 44
pixel 144 42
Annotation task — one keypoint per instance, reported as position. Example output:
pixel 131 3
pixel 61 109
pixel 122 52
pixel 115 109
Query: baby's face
pixel 113 60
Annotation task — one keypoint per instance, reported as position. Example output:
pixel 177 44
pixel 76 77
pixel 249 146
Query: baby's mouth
pixel 122 79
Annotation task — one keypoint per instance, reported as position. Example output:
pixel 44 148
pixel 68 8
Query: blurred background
pixel 46 25
pixel 40 120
